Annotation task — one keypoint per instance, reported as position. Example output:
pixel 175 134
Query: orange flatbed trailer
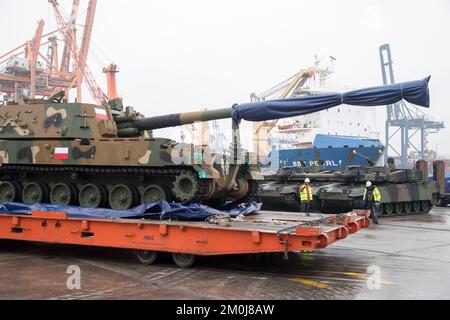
pixel 262 232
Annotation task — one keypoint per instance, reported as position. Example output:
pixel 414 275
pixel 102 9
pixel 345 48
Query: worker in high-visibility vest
pixel 305 192
pixel 372 200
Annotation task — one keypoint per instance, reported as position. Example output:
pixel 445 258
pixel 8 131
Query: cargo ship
pixel 333 138
pixel 331 152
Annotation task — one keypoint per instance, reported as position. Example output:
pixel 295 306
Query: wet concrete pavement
pixel 408 257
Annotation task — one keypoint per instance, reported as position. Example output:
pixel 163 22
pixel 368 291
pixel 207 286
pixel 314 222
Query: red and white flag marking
pixel 101 114
pixel 61 153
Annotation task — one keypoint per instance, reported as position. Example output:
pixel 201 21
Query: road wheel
pixel 146 256
pixel 407 206
pixel 63 193
pixel 152 193
pixel 425 206
pixel 183 260
pixel 10 191
pixel 416 206
pixel 122 196
pixel 92 195
pixel 388 208
pixel 35 192
pixel 398 207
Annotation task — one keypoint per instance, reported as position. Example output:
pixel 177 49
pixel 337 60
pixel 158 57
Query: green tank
pixel 403 191
pixel 56 152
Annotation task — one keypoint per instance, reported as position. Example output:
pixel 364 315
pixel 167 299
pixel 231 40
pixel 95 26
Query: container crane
pixel 405 117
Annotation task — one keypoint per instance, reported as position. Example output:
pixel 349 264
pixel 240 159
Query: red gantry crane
pixel 27 73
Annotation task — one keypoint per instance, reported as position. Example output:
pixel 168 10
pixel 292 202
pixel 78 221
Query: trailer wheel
pixel 183 260
pixel 146 256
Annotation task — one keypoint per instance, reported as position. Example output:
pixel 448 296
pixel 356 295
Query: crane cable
pixel 276 89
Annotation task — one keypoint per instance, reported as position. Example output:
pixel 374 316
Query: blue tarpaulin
pixel 415 92
pixel 155 210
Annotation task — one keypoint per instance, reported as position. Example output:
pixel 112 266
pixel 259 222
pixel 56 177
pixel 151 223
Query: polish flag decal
pixel 61 153
pixel 101 114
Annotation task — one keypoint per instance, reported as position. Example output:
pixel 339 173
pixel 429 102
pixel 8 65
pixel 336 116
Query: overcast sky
pixel 179 56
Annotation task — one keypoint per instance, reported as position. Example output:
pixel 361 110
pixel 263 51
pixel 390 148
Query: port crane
pixel 291 87
pixel 27 72
pixel 406 118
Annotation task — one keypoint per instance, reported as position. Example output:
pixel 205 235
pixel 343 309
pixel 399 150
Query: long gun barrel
pixel 178 119
pixel 415 92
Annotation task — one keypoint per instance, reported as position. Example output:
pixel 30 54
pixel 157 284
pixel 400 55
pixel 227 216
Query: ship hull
pixel 332 158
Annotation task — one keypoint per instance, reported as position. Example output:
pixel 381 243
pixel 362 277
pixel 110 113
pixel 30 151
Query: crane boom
pixel 261 129
pixel 65 60
pixel 99 96
pixel 86 38
pixel 36 43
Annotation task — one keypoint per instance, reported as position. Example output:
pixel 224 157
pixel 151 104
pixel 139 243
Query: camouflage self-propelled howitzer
pixel 102 156
pixel 97 156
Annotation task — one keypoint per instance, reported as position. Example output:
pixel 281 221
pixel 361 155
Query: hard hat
pixel 307 180
pixel 368 184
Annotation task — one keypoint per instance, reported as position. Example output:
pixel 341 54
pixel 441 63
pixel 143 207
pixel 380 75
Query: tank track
pixel 393 214
pixel 331 210
pixel 13 170
pixel 89 170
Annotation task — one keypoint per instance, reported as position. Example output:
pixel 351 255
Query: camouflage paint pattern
pixel 75 134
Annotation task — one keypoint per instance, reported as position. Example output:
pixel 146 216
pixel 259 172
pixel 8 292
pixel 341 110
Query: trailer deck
pixel 258 233
pixel 412 253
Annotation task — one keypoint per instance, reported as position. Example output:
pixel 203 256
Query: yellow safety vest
pixel 305 193
pixel 376 194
